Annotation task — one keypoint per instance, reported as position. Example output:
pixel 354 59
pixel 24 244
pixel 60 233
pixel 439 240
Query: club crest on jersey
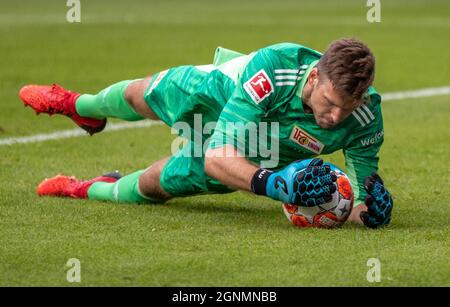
pixel 259 86
pixel 306 141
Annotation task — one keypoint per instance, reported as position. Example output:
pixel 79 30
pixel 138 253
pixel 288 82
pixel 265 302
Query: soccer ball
pixel 329 215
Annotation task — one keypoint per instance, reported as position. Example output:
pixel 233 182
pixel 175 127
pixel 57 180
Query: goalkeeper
pixel 300 103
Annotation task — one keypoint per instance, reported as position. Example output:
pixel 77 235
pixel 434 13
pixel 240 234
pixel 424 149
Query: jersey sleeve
pixel 254 92
pixel 361 154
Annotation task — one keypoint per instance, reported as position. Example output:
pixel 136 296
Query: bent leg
pixel 139 187
pixel 123 100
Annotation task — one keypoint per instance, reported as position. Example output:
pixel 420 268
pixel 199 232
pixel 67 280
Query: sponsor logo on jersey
pixel 306 141
pixel 259 86
pixel 374 139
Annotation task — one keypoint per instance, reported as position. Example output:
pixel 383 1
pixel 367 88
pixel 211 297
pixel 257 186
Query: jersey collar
pixel 305 77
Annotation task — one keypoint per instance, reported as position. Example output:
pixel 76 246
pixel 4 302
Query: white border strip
pixel 64 134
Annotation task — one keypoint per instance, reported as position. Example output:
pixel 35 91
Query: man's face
pixel 328 106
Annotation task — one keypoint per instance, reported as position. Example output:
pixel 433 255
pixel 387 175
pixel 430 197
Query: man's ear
pixel 313 77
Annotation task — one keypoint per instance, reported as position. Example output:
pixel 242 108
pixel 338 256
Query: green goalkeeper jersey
pixel 261 92
pixel 266 88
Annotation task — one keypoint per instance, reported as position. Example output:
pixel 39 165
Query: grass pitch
pixel 236 239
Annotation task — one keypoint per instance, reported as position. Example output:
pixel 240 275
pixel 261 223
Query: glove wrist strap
pixel 259 181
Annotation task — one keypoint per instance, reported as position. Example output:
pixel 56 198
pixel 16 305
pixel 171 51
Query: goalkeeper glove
pixel 378 201
pixel 305 183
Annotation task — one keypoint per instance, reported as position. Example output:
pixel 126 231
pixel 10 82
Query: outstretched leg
pixel 124 100
pixel 139 187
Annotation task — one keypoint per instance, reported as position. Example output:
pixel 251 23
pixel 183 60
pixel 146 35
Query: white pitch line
pixel 63 134
pixel 426 92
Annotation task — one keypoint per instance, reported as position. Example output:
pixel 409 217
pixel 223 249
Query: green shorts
pixel 184 175
pixel 175 95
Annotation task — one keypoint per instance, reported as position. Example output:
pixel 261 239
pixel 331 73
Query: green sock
pixel 110 102
pixel 124 190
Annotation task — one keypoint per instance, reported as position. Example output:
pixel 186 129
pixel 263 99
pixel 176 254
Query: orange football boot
pixel 56 100
pixel 65 186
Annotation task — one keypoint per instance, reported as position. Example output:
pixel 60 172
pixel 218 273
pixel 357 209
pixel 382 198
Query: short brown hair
pixel 350 66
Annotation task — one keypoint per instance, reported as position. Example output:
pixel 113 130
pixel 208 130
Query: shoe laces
pixel 60 96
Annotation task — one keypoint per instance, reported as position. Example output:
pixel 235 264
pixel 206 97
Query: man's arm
pixel 361 162
pixel 374 210
pixel 373 202
pixel 233 170
pixel 222 159
pixel 306 183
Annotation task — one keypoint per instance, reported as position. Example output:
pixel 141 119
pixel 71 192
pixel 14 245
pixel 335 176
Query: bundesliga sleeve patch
pixel 259 86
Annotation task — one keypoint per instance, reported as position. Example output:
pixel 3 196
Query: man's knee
pixel 149 182
pixel 134 91
pixel 134 95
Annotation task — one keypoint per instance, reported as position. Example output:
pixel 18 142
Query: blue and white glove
pixel 306 183
pixel 378 201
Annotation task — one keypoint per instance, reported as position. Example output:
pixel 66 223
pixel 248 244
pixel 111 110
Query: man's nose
pixel 337 115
